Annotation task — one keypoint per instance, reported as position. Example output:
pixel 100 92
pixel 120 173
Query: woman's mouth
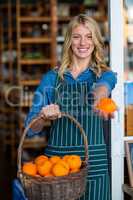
pixel 83 50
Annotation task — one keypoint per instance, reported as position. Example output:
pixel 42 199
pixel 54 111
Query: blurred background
pixel 31 38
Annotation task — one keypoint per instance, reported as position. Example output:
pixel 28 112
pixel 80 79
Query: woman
pixel 75 87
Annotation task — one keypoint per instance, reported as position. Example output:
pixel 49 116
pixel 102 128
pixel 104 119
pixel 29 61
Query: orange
pixel 107 105
pixel 29 168
pixel 65 157
pixel 74 162
pixel 44 168
pixel 54 159
pixel 64 163
pixel 61 168
pixel 40 159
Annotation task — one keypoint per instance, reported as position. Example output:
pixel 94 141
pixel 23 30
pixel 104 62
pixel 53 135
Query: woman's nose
pixel 83 41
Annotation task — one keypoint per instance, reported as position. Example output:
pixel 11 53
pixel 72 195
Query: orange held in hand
pixel 30 168
pixel 107 105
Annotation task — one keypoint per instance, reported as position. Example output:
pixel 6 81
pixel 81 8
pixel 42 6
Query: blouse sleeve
pixel 108 79
pixel 42 97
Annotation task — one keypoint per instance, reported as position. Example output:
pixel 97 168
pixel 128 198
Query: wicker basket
pixel 54 188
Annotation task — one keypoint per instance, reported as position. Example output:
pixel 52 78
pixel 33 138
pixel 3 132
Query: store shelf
pixel 64 18
pixel 34 19
pixel 4 126
pixel 28 5
pixel 29 82
pixel 35 40
pixel 34 61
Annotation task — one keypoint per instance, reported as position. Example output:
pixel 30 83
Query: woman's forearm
pixel 38 125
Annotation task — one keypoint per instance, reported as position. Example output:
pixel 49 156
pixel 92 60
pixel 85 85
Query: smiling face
pixel 82 44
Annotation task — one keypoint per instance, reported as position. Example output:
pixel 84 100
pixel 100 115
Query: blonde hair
pixel 97 62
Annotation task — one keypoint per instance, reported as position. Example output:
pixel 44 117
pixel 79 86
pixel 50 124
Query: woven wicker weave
pixel 54 188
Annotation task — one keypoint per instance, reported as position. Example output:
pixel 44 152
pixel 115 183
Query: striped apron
pixel 65 137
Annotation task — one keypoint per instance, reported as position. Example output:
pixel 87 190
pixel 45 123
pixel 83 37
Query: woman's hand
pixel 103 114
pixel 50 112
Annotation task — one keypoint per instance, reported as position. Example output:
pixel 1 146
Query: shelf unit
pixel 48 39
pixel 7 79
pixel 9 39
pixel 1 47
pixel 36 50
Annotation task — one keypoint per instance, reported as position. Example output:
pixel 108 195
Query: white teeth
pixel 83 50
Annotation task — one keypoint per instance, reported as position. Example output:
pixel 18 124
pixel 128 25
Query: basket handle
pixel 38 118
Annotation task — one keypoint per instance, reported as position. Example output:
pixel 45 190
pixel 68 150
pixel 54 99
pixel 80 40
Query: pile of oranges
pixel 53 166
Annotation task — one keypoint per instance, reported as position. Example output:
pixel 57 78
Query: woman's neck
pixel 78 66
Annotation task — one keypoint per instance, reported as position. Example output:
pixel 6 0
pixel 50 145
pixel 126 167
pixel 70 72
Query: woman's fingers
pixel 103 114
pixel 51 111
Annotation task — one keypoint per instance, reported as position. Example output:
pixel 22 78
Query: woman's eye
pixel 75 36
pixel 89 37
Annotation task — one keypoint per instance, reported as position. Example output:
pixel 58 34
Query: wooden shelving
pixel 30 82
pixel 35 40
pixel 1 48
pixel 48 39
pixel 32 19
pixel 36 34
pixel 7 78
pixel 34 61
pixel 64 18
